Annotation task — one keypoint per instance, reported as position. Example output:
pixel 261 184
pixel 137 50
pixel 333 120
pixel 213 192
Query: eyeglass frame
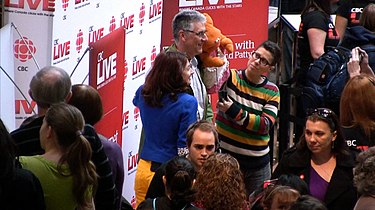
pixel 200 34
pixel 261 59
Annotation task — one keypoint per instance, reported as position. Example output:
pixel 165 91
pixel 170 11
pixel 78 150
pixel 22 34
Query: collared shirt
pixel 198 88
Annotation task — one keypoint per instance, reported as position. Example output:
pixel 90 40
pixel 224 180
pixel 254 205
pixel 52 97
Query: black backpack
pixel 326 79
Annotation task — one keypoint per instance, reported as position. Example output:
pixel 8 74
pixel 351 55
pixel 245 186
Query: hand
pixel 363 54
pixel 365 67
pixel 224 104
pixel 353 64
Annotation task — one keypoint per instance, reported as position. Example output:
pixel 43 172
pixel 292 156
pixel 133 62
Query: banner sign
pixel 243 21
pixel 107 76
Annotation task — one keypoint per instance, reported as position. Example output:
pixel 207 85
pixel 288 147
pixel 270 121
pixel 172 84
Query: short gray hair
pixel 184 19
pixel 50 85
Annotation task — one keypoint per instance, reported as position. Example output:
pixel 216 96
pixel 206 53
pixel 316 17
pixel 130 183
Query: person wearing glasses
pixel 189 34
pixel 322 159
pixel 247 113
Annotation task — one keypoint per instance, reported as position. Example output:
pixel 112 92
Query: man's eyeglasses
pixel 322 112
pixel 262 60
pixel 201 34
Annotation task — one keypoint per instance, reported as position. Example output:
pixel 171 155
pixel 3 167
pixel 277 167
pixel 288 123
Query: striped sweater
pixel 244 127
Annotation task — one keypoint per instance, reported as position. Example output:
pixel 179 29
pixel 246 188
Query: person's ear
pixel 182 35
pixel 31 94
pixel 49 132
pixel 67 98
pixel 334 135
pixel 164 180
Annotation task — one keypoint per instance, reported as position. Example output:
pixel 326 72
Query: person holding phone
pixel 359 63
pixel 247 114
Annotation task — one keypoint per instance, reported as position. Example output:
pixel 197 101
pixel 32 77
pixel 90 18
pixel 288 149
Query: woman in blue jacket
pixel 166 112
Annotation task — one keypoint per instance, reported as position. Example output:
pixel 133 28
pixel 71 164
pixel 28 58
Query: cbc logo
pixel 21 51
pixel 79 41
pixel 65 4
pixel 142 14
pixel 22 68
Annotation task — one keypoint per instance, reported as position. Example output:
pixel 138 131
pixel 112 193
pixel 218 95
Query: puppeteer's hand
pixel 224 104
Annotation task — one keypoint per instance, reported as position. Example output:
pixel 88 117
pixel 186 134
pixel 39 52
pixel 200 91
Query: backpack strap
pixel 154 204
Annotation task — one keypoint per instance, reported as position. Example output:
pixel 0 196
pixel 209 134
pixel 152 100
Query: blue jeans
pixel 254 178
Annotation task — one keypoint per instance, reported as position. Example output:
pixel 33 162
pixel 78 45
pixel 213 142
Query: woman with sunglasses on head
pixel 358 113
pixel 322 159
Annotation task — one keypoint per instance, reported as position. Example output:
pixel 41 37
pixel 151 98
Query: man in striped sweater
pixel 247 112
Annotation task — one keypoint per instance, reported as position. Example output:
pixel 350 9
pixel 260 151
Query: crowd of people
pixel 57 160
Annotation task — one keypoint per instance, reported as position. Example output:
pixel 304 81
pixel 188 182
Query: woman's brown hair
pixel 67 123
pixel 165 78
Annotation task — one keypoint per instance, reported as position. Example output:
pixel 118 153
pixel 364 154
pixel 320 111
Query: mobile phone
pixel 223 95
pixel 360 56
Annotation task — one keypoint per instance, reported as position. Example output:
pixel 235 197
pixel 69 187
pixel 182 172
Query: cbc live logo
pixel 190 3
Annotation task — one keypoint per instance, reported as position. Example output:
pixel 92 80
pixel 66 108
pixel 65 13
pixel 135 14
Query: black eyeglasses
pixel 323 112
pixel 201 34
pixel 262 60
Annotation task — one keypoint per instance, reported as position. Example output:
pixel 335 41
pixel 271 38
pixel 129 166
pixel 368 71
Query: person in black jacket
pixel 322 159
pixel 19 188
pixel 52 85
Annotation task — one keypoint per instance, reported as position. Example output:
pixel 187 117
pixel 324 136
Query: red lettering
pixel 22 104
pixel 125 118
pixel 128 22
pixel 61 50
pixel 139 66
pixel 155 9
pixel 96 35
pixel 79 1
pixel 47 5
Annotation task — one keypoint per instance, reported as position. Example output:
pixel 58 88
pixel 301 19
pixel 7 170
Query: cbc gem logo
pixel 23 49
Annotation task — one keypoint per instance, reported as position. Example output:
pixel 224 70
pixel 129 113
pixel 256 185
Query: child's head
pixel 307 202
pixel 178 180
pixel 279 197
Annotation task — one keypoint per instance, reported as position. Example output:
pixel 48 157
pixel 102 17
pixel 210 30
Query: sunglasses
pixel 322 112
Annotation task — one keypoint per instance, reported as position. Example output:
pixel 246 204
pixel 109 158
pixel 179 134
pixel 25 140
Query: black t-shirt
pixel 356 139
pixel 352 10
pixel 314 19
